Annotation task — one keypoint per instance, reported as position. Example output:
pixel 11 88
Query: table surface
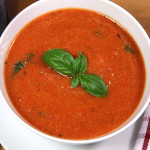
pixel 140 9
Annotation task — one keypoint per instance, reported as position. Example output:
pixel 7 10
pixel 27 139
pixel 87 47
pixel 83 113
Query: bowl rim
pixel 70 141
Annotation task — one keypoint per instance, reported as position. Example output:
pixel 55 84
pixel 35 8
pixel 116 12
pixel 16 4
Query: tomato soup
pixel 45 98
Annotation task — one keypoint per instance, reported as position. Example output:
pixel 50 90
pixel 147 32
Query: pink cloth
pixel 143 139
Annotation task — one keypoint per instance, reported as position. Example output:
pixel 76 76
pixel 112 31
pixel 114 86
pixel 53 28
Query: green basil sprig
pixel 64 63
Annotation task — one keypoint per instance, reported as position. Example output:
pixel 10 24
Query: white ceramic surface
pixel 106 7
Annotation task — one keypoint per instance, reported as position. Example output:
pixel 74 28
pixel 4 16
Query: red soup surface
pixel 46 99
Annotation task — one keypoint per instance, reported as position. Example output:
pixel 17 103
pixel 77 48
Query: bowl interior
pixel 105 7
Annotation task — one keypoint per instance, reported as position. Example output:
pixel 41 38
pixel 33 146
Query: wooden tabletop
pixel 1 148
pixel 140 9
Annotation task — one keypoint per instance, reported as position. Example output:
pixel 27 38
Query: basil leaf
pixel 129 49
pixel 75 81
pixel 80 64
pixel 59 60
pixel 94 85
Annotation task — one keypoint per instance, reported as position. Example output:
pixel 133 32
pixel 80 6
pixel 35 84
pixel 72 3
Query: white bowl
pixel 103 6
